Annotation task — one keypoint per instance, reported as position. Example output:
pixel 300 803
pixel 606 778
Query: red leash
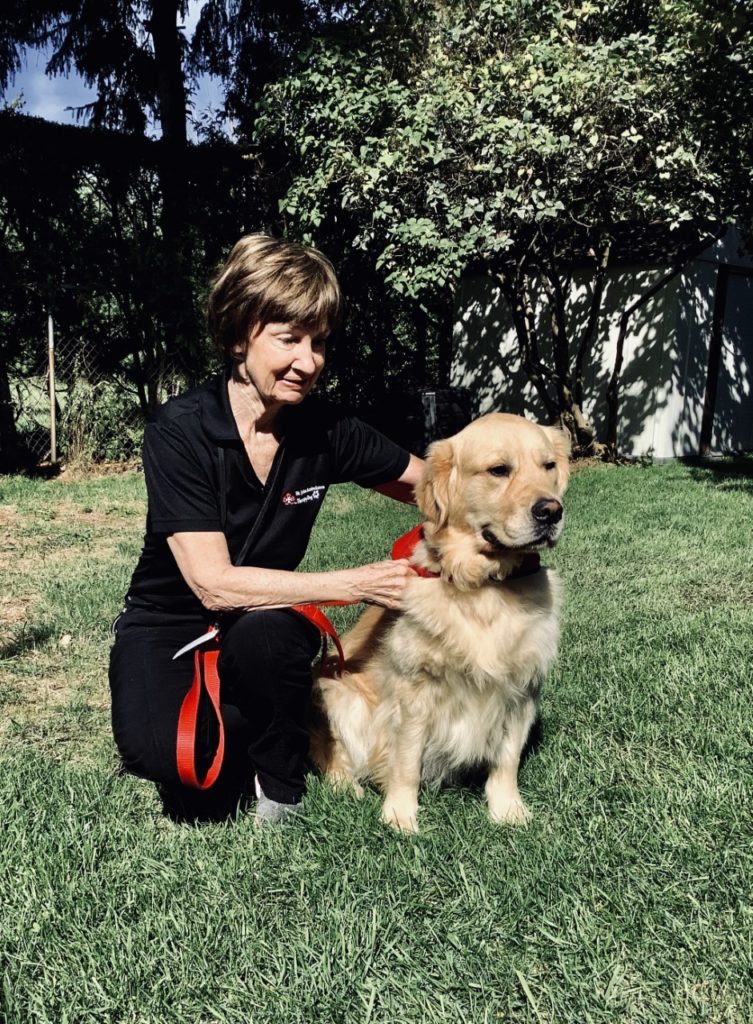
pixel 206 675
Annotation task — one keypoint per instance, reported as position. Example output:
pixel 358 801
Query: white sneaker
pixel 272 812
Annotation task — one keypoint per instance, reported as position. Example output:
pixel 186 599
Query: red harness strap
pixel 206 675
pixel 405 546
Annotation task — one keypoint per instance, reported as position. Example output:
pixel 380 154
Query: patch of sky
pixel 60 98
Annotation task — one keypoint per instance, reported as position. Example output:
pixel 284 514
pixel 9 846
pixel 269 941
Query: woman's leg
pixel 148 688
pixel 266 661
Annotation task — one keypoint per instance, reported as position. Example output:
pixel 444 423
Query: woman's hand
pixel 381 583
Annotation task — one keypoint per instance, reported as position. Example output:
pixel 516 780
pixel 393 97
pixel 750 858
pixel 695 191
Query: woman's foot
pixel 272 812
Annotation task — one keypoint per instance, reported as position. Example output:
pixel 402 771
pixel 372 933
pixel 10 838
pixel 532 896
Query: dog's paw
pixel 511 812
pixel 345 783
pixel 403 816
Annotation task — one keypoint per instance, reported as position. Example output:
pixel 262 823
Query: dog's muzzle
pixel 547 521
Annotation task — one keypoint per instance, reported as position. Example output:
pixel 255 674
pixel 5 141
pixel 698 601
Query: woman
pixel 236 472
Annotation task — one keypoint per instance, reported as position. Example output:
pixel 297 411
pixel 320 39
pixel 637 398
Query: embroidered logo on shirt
pixel 305 494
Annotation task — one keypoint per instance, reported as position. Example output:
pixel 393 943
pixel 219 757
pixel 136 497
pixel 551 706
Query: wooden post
pixel 51 357
pixel 715 360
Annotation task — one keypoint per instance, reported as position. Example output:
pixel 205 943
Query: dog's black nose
pixel 547 510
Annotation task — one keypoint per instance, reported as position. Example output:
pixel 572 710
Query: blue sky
pixel 49 97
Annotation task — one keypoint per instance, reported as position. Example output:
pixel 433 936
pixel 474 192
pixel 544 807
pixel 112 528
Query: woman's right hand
pixel 381 583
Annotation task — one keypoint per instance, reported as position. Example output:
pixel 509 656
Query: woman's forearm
pixel 241 588
pixel 205 565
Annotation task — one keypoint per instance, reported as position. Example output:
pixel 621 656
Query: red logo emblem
pixel 289 498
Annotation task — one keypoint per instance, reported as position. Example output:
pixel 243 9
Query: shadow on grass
pixel 29 636
pixel 474 778
pixel 730 474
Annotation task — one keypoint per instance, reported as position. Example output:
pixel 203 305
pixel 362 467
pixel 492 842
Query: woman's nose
pixel 304 356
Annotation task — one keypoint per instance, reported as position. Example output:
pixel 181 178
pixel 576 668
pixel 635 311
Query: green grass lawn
pixel 627 899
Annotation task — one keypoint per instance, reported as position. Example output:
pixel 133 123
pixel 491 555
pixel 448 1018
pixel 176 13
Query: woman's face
pixel 283 362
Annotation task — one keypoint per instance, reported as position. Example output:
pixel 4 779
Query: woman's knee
pixel 270 637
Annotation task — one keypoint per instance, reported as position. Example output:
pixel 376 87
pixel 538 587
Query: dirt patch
pixel 108 519
pixel 74 474
pixel 15 610
pixel 9 517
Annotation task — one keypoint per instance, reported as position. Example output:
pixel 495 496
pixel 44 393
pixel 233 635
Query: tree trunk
pixel 177 308
pixel 589 335
pixel 516 292
pixel 570 412
pixel 9 449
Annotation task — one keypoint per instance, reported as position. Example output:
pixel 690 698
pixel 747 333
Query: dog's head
pixel 491 494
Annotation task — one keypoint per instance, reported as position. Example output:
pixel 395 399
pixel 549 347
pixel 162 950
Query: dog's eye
pixel 499 470
pixel 550 465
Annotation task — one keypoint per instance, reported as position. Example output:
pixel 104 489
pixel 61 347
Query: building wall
pixel 665 355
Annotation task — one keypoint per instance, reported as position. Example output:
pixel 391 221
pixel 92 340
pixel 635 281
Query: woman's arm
pixel 402 489
pixel 204 562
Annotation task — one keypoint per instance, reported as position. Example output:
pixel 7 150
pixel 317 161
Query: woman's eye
pixel 499 470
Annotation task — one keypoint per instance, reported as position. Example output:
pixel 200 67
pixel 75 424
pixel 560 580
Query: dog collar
pixel 405 546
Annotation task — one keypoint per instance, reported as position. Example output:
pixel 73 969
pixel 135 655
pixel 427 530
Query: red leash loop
pixel 205 674
pixel 315 615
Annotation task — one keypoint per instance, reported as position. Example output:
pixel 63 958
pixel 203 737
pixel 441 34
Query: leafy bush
pixel 102 422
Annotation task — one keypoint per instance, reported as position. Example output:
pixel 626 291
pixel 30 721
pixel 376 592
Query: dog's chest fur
pixel 497 636
pixel 486 653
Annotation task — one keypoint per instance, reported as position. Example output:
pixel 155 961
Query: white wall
pixel 665 356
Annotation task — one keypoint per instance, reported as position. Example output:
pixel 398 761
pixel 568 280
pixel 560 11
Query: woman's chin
pixel 292 394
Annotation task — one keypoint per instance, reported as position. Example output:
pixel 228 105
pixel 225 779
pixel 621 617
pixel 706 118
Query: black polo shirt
pixel 199 478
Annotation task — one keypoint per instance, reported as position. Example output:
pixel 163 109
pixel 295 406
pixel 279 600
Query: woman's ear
pixel 435 489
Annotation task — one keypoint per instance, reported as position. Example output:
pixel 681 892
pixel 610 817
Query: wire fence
pixel 91 413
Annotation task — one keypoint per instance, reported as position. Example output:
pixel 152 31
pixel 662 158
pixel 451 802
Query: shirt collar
pixel 216 415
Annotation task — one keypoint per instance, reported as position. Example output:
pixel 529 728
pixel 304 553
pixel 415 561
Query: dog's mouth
pixel 546 539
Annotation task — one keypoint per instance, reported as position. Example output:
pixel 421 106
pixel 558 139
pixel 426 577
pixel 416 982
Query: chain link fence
pixel 91 413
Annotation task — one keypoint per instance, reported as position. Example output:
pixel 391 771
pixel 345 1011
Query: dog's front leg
pixel 403 776
pixel 503 796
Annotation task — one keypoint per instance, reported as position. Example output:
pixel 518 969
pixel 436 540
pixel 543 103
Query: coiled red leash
pixel 205 674
pixel 206 655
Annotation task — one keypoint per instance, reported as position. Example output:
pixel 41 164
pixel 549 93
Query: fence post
pixel 51 358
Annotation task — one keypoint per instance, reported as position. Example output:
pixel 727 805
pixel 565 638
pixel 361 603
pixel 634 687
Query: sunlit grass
pixel 627 899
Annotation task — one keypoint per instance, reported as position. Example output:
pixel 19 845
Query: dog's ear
pixel 435 489
pixel 561 442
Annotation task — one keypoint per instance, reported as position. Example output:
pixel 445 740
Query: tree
pixel 519 136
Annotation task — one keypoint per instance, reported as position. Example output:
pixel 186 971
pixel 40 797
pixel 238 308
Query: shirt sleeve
pixel 364 455
pixel 182 497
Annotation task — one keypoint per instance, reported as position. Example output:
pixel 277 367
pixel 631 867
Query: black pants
pixel 265 678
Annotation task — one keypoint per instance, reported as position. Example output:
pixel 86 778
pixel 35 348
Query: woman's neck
pixel 252 415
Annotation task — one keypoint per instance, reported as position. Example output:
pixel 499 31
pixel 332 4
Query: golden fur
pixel 452 679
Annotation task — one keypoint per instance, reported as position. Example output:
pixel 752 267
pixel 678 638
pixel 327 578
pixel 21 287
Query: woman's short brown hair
pixel 270 280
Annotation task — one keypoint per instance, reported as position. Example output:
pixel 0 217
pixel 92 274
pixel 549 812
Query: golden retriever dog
pixel 452 679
